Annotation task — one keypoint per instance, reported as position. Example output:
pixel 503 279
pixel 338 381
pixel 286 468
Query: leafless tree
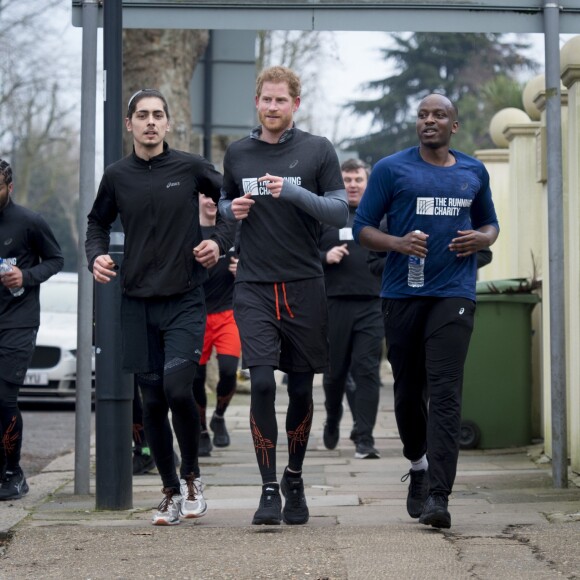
pixel 38 133
pixel 305 52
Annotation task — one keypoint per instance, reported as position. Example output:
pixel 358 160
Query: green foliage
pixel 476 71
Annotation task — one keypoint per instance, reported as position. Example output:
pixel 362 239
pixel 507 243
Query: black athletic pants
pixel 355 333
pixel 428 339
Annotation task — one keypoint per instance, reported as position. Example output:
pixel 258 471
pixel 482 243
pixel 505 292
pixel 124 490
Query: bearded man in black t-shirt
pixel 281 183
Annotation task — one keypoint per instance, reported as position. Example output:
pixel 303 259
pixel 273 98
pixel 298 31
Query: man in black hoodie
pixel 154 191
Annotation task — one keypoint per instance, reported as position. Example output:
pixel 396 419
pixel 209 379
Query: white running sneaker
pixel 193 504
pixel 168 510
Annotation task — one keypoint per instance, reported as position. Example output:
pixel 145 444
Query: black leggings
pixel 10 425
pixel 263 419
pixel 161 393
pixel 139 439
pixel 226 387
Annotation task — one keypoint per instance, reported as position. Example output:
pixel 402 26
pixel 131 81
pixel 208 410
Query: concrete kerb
pixel 54 477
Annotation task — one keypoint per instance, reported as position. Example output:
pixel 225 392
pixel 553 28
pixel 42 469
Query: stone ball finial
pixel 570 53
pixel 570 61
pixel 499 122
pixel 532 89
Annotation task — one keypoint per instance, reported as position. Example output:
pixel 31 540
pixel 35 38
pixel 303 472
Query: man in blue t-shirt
pixel 439 214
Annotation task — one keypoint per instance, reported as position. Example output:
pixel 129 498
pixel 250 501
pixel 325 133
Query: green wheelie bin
pixel 497 385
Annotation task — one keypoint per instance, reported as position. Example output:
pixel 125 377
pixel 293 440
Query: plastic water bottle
pixel 416 275
pixel 6 267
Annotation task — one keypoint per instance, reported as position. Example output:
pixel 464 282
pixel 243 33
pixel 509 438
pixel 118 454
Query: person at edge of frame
pixel 34 255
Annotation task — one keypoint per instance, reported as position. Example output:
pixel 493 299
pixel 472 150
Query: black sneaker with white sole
pixel 435 512
pixel 269 511
pixel 13 485
pixel 295 511
pixel 366 450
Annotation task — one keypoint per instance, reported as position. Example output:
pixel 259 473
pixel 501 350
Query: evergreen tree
pixel 468 68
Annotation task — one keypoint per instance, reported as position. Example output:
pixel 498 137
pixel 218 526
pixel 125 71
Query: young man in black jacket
pixel 154 191
pixel 281 183
pixel 29 246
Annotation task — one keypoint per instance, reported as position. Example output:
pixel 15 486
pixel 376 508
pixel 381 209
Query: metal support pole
pixel 85 289
pixel 556 245
pixel 114 390
pixel 208 98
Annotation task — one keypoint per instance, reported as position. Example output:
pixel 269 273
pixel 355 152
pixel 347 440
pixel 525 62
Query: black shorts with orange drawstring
pixel 283 324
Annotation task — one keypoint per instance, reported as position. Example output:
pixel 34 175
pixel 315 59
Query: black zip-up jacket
pixel 157 202
pixel 27 242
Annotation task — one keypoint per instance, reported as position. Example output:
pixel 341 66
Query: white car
pixel 53 370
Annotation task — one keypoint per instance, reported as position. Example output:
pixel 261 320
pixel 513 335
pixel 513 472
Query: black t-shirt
pixel 278 240
pixel 219 287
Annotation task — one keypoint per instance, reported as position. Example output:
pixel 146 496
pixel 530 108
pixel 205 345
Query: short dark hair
pixel 353 164
pixel 142 94
pixel 6 171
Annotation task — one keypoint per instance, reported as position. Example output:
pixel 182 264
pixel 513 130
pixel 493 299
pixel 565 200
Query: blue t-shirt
pixel 439 201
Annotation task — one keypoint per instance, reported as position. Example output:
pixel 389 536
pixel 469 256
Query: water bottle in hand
pixel 416 275
pixel 4 268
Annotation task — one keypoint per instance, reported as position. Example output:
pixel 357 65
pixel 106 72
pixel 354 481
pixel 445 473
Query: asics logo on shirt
pixel 172 184
pixel 8 241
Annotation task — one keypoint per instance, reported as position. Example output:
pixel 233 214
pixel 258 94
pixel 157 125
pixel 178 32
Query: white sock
pixel 420 464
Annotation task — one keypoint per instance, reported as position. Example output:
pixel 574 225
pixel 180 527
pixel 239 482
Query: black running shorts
pixel 284 325
pixel 155 330
pixel 16 350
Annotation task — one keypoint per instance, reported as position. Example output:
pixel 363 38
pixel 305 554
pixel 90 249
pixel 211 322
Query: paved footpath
pixel 507 520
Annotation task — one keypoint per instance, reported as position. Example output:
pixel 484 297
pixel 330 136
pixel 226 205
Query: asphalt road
pixel 48 433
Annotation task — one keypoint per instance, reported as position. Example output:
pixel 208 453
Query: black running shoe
pixel 221 437
pixel 142 463
pixel 205 445
pixel 269 511
pixel 366 450
pixel 13 485
pixel 295 511
pixel 418 491
pixel 435 512
pixel 331 434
